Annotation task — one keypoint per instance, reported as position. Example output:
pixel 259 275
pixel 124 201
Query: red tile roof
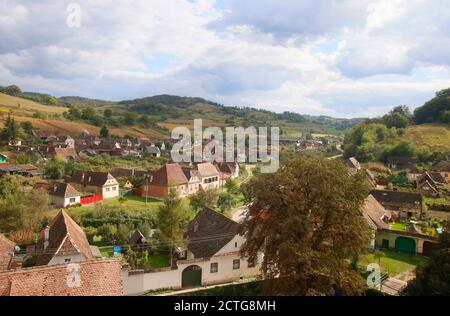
pixel 169 175
pixel 101 277
pixel 6 252
pixel 65 238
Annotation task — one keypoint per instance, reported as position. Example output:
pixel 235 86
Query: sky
pixel 342 58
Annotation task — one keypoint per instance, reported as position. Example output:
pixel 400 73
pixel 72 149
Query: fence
pixel 91 199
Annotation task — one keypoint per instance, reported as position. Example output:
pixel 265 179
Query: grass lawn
pixel 133 204
pixel 398 226
pixel 159 261
pixel 394 262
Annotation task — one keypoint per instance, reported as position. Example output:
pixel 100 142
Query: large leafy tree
pixel 306 219
pixel 204 198
pixel 172 220
pixel 433 278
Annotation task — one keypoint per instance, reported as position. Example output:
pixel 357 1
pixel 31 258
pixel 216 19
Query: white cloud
pixel 341 58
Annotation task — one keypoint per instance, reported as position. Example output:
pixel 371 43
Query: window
pixel 214 267
pixel 114 188
pixel 235 245
pixel 251 263
pixel 107 189
pixel 72 200
pixel 67 260
pixel 236 264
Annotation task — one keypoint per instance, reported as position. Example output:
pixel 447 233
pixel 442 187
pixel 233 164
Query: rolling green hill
pixel 155 116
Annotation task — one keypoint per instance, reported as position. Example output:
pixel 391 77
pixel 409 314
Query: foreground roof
pixel 65 238
pixel 7 248
pixel 374 212
pixel 96 278
pixel 209 232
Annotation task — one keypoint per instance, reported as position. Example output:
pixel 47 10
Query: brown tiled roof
pixel 66 152
pixel 97 278
pixel 406 199
pixel 169 175
pixel 441 166
pixel 209 232
pixel 90 178
pixel 373 212
pixel 207 169
pixel 63 190
pixel 6 252
pixel 432 177
pixel 226 167
pixel 65 238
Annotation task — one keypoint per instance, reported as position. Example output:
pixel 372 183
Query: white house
pixel 63 241
pixel 210 257
pixel 95 182
pixel 61 194
pixel 209 176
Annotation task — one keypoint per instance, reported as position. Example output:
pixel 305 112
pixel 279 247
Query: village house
pixel 159 184
pixel 395 162
pixel 399 204
pixel 209 176
pixel 7 249
pixel 50 152
pixel 61 141
pixel 384 237
pixel 412 173
pixel 193 179
pixel 42 135
pixel 211 256
pixel 153 151
pixel 443 167
pixel 95 182
pixel 111 147
pixel 212 253
pixel 376 217
pixel 100 277
pixel 138 242
pixel 61 194
pixel 63 241
pixel 431 183
pixel 23 170
pixel 230 169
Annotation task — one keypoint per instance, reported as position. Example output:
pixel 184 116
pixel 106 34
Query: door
pixel 385 243
pixel 405 244
pixel 191 276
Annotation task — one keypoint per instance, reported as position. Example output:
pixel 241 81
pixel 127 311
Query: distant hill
pixel 437 110
pixel 83 102
pixel 157 115
pixel 178 108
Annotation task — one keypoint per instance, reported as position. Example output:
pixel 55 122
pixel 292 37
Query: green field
pixel 394 262
pixel 432 137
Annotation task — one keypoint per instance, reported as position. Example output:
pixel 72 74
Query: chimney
pixel 46 236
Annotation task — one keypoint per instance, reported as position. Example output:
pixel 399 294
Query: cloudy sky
pixel 344 58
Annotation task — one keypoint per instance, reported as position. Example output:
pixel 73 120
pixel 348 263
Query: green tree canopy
pixel 307 220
